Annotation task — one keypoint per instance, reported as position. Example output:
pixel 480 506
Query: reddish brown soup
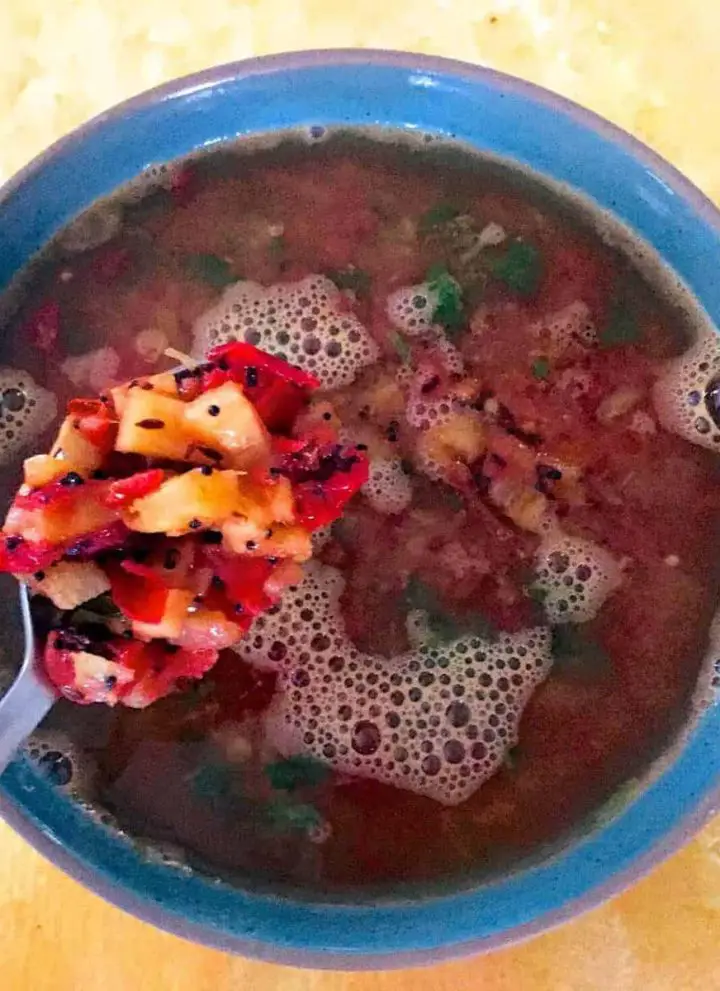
pixel 507 405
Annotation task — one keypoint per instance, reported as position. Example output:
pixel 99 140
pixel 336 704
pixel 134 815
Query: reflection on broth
pixel 509 621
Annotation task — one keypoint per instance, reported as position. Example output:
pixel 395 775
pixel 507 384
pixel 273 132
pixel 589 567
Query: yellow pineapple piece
pixel 226 420
pixel 41 469
pixel 152 424
pixel 163 383
pixel 241 536
pixel 186 503
pixel 73 450
pixel 462 436
pixel 266 504
pixel 69 583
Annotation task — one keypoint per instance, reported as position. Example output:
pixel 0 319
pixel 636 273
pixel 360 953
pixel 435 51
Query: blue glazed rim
pixel 507 117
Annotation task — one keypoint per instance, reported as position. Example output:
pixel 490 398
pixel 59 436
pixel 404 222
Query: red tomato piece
pixel 22 557
pixel 126 490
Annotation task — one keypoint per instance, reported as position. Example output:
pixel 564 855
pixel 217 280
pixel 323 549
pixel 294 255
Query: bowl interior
pixel 494 114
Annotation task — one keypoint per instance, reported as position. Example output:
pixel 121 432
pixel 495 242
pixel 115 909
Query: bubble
pixel 388 489
pixel 303 322
pixel 94 370
pixel 26 410
pixel 416 720
pixel 686 394
pixel 576 575
pixel 56 767
pixel 411 309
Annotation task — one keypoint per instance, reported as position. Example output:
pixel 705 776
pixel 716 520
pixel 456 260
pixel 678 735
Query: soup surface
pixel 509 622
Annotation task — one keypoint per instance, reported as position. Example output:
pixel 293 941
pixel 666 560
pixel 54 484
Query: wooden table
pixel 650 65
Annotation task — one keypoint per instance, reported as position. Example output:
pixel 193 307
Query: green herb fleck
pixel 296 772
pixel 621 328
pixel 518 267
pixel 440 214
pixel 213 781
pixel 354 279
pixel 284 816
pixel 277 246
pixel 540 368
pixel 511 758
pixel 211 269
pixel 402 347
pixel 449 310
pixel 576 653
pixel 102 605
pixel 442 626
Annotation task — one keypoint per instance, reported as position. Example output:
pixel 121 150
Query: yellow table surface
pixel 650 65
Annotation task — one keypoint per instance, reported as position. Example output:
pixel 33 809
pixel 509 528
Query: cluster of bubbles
pixel 388 489
pixel 436 720
pixel 303 322
pixel 411 309
pixel 26 410
pixel 687 395
pixel 576 576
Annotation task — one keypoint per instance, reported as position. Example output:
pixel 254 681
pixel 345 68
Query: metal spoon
pixel 29 698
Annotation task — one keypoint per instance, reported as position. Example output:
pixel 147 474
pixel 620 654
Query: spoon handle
pixel 29 698
pixel 24 705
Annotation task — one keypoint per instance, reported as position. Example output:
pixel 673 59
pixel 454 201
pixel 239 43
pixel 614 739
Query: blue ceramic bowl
pixel 508 118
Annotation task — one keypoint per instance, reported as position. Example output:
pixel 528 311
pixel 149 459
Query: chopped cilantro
pixel 437 215
pixel 102 605
pixel 442 626
pixel 289 816
pixel 621 328
pixel 449 310
pixel 211 269
pixel 540 368
pixel 351 278
pixel 402 347
pixel 295 772
pixel 576 653
pixel 519 267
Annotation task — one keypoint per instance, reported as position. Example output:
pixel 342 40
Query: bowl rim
pixel 20 796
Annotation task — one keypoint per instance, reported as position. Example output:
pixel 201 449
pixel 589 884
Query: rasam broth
pixel 498 351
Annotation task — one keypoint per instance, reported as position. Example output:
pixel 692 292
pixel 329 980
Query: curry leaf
pixel 518 267
pixel 298 771
pixel 213 781
pixel 211 269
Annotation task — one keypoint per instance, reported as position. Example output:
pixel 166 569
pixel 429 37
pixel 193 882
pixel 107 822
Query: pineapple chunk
pixel 70 583
pixel 153 425
pixel 62 520
pixel 525 506
pixel 282 541
pixel 73 450
pixel 225 419
pixel 266 504
pixel 178 602
pixel 163 383
pixel 41 469
pixel 462 436
pixel 185 503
